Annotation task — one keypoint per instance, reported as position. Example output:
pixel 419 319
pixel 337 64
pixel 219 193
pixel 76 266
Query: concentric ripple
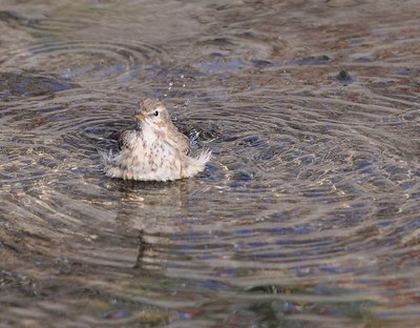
pixel 91 62
pixel 307 214
pixel 305 201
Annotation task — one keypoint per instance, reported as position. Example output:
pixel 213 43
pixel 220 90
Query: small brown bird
pixel 155 150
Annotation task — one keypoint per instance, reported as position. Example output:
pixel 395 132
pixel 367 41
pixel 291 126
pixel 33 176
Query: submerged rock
pixel 344 77
pixel 30 84
pixel 14 18
pixel 313 60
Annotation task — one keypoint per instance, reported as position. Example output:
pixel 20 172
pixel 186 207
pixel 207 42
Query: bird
pixel 154 150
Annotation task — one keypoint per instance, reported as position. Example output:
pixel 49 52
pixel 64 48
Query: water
pixel 308 215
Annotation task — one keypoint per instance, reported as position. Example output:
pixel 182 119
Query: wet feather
pixel 155 150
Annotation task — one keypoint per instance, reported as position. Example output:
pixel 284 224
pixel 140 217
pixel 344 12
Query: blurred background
pixel 308 214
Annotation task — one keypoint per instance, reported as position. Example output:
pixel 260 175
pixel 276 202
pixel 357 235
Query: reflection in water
pixel 306 216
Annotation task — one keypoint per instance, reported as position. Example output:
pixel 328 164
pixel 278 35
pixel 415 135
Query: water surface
pixel 308 214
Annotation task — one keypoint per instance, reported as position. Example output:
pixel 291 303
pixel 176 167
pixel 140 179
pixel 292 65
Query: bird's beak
pixel 139 116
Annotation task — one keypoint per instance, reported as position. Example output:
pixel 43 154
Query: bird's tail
pixel 198 164
pixel 107 156
pixel 109 161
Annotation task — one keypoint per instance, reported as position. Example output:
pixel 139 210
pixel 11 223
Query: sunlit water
pixel 308 214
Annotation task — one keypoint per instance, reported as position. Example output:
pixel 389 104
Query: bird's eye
pixel 156 113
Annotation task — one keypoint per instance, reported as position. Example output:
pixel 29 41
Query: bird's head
pixel 153 113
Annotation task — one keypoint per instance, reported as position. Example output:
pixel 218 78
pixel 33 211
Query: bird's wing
pixel 185 145
pixel 124 138
pixel 179 140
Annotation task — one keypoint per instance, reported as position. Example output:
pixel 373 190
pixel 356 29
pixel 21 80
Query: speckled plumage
pixel 155 150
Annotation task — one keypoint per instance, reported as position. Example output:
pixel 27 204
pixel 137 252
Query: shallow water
pixel 308 215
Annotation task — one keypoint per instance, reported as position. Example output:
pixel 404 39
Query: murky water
pixel 308 215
